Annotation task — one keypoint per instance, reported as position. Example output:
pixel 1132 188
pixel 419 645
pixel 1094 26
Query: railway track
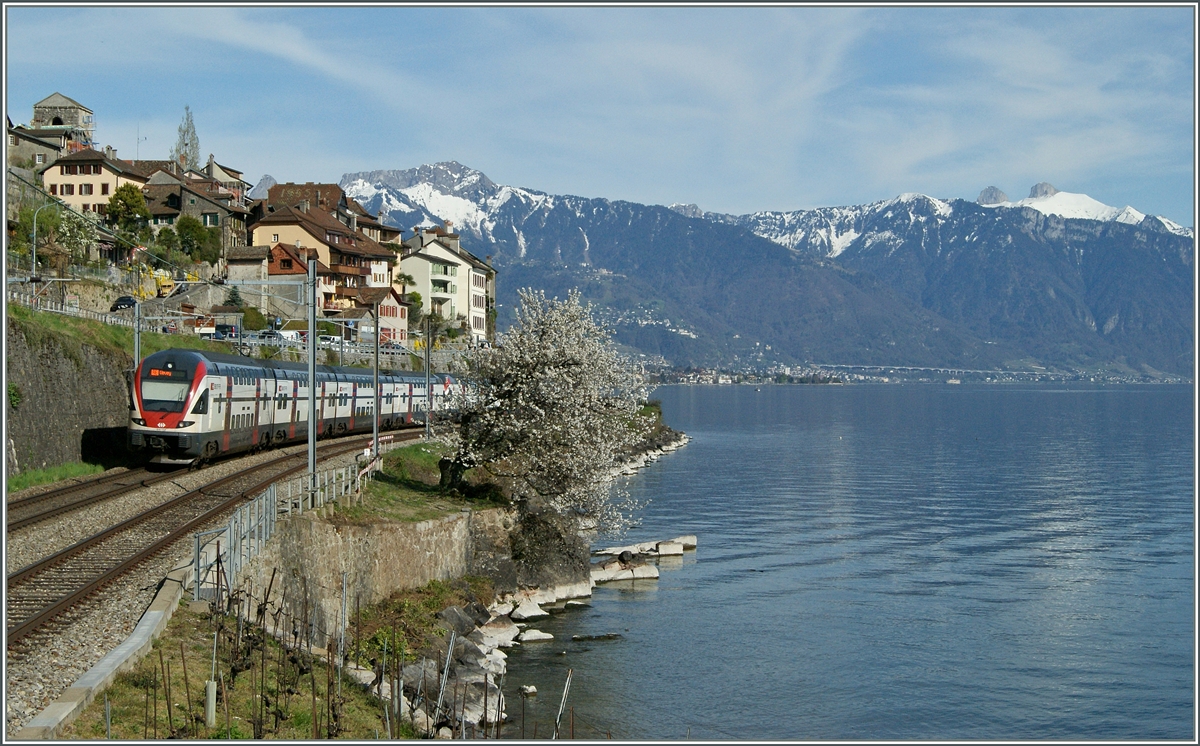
pixel 30 510
pixel 46 590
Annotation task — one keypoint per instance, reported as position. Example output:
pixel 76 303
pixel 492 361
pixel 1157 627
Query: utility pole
pixel 137 333
pixel 312 379
pixel 375 414
pixel 428 386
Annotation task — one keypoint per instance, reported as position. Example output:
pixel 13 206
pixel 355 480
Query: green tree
pixel 167 238
pixel 191 234
pixel 252 318
pixel 234 298
pixel 187 144
pixel 201 244
pixel 127 209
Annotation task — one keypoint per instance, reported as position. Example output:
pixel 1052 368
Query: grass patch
pixel 408 621
pixel 71 334
pixel 33 477
pixel 407 490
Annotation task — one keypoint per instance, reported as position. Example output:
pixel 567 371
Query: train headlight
pixel 136 421
pixel 185 423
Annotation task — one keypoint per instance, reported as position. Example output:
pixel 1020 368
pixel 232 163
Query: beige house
pixel 87 179
pixel 452 282
pixel 355 260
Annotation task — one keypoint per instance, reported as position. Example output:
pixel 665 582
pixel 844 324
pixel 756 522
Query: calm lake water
pixel 886 562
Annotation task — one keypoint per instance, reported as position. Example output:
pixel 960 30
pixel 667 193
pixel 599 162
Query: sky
pixel 733 109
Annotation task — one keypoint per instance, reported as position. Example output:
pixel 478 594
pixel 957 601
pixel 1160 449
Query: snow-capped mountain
pixel 1057 278
pixel 829 231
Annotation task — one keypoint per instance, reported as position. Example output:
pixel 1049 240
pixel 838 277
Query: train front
pixel 169 407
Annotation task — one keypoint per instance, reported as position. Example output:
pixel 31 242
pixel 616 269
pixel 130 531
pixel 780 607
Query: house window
pixel 274 238
pixel 209 219
pixel 104 188
pixel 191 200
pixel 101 209
pixel 85 188
pixel 68 189
pixel 12 141
pixel 54 189
pixel 285 263
pixel 40 158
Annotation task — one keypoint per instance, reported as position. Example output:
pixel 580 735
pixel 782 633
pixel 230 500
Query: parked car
pixel 125 301
pixel 270 335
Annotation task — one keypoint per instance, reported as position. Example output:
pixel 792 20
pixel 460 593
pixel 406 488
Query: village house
pixel 170 195
pixel 86 179
pixel 33 149
pixel 355 260
pixel 452 282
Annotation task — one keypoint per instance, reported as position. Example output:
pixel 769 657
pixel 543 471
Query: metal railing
pixel 42 303
pixel 250 528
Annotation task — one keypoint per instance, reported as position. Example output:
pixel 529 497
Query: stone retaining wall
pixel 73 400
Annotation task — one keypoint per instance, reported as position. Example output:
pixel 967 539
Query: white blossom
pixel 548 410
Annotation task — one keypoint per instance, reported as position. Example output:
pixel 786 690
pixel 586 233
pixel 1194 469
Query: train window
pixel 201 403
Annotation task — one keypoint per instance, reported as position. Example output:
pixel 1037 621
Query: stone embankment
pixel 651 450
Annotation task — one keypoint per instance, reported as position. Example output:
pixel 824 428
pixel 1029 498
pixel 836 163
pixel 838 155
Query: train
pixel 190 406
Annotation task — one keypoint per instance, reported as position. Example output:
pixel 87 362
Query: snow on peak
pixel 939 207
pixel 1174 227
pixel 461 212
pixel 1070 205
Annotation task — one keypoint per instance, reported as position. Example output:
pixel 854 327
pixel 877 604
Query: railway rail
pixel 36 508
pixel 46 590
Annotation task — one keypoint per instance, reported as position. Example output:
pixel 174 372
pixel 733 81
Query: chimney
pixel 182 162
pixel 110 153
pixel 353 222
pixel 303 205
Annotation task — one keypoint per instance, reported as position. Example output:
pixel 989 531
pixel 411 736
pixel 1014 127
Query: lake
pixel 896 562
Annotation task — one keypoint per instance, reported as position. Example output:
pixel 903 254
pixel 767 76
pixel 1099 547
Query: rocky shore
pixel 650 450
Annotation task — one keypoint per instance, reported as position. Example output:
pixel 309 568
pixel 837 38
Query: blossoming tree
pixel 547 411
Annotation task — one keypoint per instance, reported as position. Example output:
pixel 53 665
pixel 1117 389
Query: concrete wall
pixel 73 400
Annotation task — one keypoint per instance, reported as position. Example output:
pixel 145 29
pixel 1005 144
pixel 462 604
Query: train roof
pixel 220 358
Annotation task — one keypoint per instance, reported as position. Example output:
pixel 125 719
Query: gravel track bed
pixel 28 545
pixel 41 675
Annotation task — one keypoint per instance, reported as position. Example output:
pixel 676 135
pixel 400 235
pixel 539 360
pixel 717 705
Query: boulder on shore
pixel 533 635
pixel 528 610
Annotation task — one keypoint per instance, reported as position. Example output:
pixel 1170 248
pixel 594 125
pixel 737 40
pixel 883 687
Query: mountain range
pixel 1057 280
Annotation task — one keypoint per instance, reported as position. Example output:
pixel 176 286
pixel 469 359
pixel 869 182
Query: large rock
pixel 669 548
pixel 534 635
pixel 1042 189
pixel 529 610
pixel 991 196
pixel 454 618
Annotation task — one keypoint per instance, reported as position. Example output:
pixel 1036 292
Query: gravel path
pixel 38 678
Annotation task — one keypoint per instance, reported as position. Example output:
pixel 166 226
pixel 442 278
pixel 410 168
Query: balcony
pixel 445 289
pixel 346 269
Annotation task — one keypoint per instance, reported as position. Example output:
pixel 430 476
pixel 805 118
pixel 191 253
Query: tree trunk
pixel 452 474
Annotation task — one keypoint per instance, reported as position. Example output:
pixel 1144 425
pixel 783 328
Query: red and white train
pixel 188 404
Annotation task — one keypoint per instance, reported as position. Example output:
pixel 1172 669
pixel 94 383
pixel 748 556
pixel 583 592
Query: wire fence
pixel 221 554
